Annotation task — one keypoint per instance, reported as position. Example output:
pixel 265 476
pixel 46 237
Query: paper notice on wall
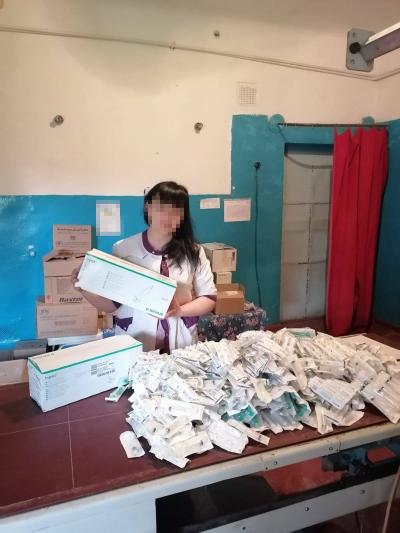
pixel 237 210
pixel 108 219
pixel 210 203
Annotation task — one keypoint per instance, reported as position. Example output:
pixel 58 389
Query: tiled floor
pixel 35 447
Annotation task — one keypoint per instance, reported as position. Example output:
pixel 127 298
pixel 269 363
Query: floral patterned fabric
pixel 216 327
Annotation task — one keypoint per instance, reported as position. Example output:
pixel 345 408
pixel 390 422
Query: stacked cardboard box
pixel 230 299
pixel 64 311
pixel 222 259
pixel 230 296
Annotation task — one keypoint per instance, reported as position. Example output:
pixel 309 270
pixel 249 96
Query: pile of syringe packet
pixel 225 393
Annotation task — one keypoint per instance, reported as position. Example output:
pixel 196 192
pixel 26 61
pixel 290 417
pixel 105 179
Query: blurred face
pixel 164 218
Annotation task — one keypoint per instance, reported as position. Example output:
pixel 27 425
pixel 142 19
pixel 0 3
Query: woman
pixel 168 247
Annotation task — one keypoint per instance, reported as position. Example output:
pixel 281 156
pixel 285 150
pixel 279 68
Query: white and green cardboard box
pixel 65 376
pixel 126 283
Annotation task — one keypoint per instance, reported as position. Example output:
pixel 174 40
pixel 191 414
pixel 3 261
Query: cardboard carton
pixel 61 263
pixel 126 283
pixel 12 372
pixel 222 257
pixel 222 277
pixel 230 299
pixel 75 238
pixel 70 242
pixel 65 320
pixel 65 376
pixel 59 290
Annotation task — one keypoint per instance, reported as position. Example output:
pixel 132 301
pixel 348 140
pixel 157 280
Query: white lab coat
pixel 191 284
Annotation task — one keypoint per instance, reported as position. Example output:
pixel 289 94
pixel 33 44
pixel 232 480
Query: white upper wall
pixel 388 101
pixel 130 109
pixel 310 31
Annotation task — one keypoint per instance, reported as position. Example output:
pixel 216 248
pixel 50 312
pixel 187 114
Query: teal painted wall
pixel 254 138
pixel 27 220
pixel 387 281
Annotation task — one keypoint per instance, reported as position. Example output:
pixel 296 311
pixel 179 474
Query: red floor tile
pixel 97 406
pixel 99 459
pixel 390 340
pixel 300 477
pixel 375 455
pixel 34 464
pixel 19 412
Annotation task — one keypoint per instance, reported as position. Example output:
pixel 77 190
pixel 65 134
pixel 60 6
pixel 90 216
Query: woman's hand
pixel 174 309
pixel 197 307
pixel 101 303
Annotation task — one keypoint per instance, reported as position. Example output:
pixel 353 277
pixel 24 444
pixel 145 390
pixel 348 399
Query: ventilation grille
pixel 247 93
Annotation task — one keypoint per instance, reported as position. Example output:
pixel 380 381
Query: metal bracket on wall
pixel 363 46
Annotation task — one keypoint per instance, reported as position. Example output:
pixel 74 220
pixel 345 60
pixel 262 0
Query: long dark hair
pixel 182 245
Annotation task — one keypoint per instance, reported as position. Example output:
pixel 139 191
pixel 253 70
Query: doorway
pixel 306 201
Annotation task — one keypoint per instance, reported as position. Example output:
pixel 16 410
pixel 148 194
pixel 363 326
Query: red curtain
pixel 358 180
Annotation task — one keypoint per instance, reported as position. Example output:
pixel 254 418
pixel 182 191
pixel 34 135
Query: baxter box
pixel 61 263
pixel 222 257
pixel 222 277
pixel 59 290
pixel 126 283
pixel 65 376
pixel 230 299
pixel 75 238
pixel 70 242
pixel 65 320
